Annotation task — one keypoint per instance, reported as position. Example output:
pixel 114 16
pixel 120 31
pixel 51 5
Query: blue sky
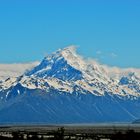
pixel 107 30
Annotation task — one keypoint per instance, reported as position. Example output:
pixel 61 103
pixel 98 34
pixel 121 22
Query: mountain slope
pixel 66 88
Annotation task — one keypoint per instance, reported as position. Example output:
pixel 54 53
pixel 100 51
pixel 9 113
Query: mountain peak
pixel 64 52
pixel 64 64
pixel 68 50
pixel 70 55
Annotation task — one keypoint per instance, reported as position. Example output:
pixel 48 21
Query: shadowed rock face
pixel 65 88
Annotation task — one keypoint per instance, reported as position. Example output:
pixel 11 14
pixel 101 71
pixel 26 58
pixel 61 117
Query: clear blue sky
pixel 108 30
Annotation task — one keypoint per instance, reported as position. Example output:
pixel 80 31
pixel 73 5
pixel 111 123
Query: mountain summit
pixel 61 64
pixel 66 88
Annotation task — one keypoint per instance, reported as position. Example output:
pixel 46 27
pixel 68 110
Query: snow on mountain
pixel 65 70
pixel 66 65
pixel 131 81
pixel 14 70
pixel 66 83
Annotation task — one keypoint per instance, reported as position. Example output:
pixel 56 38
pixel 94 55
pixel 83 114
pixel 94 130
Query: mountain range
pixel 67 88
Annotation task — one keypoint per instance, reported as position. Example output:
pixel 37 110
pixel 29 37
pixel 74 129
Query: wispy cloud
pixel 15 70
pixel 113 55
pixel 98 52
pixel 101 54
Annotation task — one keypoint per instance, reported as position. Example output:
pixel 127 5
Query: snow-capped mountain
pixel 66 88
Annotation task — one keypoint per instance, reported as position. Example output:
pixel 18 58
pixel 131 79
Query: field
pixel 71 132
